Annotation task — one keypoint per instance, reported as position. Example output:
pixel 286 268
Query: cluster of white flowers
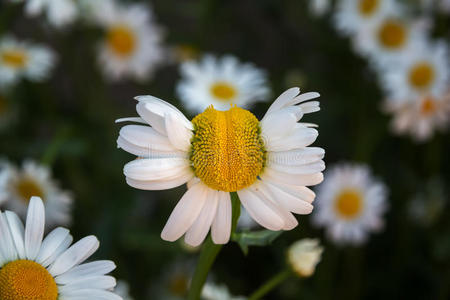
pixel 412 68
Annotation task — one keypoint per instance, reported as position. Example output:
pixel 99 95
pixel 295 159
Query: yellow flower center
pixel 368 7
pixel 27 188
pixel 223 91
pixel 14 58
pixel 392 34
pixel 428 106
pixel 179 285
pixel 421 75
pixel 122 41
pixel 227 149
pixel 349 204
pixel 26 280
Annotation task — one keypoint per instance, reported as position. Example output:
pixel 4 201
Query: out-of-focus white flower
pixel 212 291
pixel 132 41
pixel 221 82
pixel 19 59
pixel 421 117
pixel 34 267
pixel 17 186
pixel 319 7
pixel 268 163
pixel 352 15
pixel 350 204
pixel 304 255
pixel 245 220
pixel 122 289
pixel 421 72
pixel 174 282
pixel 58 12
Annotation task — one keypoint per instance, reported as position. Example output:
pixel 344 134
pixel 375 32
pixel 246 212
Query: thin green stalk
pixel 270 284
pixel 55 146
pixel 209 253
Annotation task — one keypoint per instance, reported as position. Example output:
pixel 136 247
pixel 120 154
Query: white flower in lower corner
pixel 212 291
pixel 352 15
pixel 268 163
pixel 423 71
pixel 131 46
pixel 17 186
pixel 350 204
pixel 59 13
pixel 420 118
pixel 49 269
pixel 319 7
pixel 19 59
pixel 220 82
pixel 123 290
pixel 304 255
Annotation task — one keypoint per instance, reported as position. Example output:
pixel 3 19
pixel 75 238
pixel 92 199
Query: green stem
pixel 270 284
pixel 54 148
pixel 209 254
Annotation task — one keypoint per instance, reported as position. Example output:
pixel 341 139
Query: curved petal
pixel 221 226
pixel 34 229
pixel 154 169
pixel 145 137
pixel 299 137
pixel 289 201
pixel 284 98
pixel 17 232
pixel 292 179
pixel 53 240
pixel 89 282
pixel 95 268
pixel 182 177
pixel 178 134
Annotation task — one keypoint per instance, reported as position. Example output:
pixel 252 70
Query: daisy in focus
pixel 17 186
pixel 423 71
pixel 19 59
pixel 49 269
pixel 59 13
pixel 221 82
pixel 352 15
pixel 420 118
pixel 350 204
pixel 268 163
pixel 132 42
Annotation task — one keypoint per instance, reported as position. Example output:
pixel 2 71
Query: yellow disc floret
pixel 26 280
pixel 223 91
pixel 122 41
pixel 368 7
pixel 14 58
pixel 392 34
pixel 227 149
pixel 421 75
pixel 27 188
pixel 349 203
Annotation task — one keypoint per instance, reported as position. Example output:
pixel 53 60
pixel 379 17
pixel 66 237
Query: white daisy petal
pixel 17 233
pixel 91 294
pixel 178 134
pixel 283 100
pixel 90 282
pixel 73 256
pixel 185 212
pixel 299 137
pixel 183 176
pixel 34 229
pixel 7 247
pixel 58 251
pixel 292 202
pixel 154 169
pixel 96 268
pixel 145 137
pixel 53 240
pixel 221 226
pixel 292 179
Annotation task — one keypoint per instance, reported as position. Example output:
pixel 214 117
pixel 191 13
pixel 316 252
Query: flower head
pixel 48 269
pixel 59 13
pixel 220 82
pixel 304 255
pixel 268 163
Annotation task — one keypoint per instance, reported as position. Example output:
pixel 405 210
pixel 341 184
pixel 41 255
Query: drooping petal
pixel 154 169
pixel 183 176
pixel 221 226
pixel 179 136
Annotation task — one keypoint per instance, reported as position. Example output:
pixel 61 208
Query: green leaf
pixel 255 238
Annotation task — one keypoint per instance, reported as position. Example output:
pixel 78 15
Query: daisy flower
pixel 59 13
pixel 319 7
pixel 49 269
pixel 350 204
pixel 220 82
pixel 132 42
pixel 213 291
pixel 20 59
pixel 304 255
pixel 123 290
pixel 17 186
pixel 420 118
pixel 351 15
pixel 423 71
pixel 268 163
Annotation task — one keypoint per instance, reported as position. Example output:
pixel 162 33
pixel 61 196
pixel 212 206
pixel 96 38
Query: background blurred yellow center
pixel 421 75
pixel 223 91
pixel 368 7
pixel 26 280
pixel 122 40
pixel 227 149
pixel 428 106
pixel 27 188
pixel 349 203
pixel 392 34
pixel 14 58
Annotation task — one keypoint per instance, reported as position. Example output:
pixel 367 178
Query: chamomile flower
pixel 213 291
pixel 352 15
pixel 17 186
pixel 59 13
pixel 131 46
pixel 49 269
pixel 268 163
pixel 220 82
pixel 350 204
pixel 420 118
pixel 304 255
pixel 19 59
pixel 422 72
pixel 123 290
